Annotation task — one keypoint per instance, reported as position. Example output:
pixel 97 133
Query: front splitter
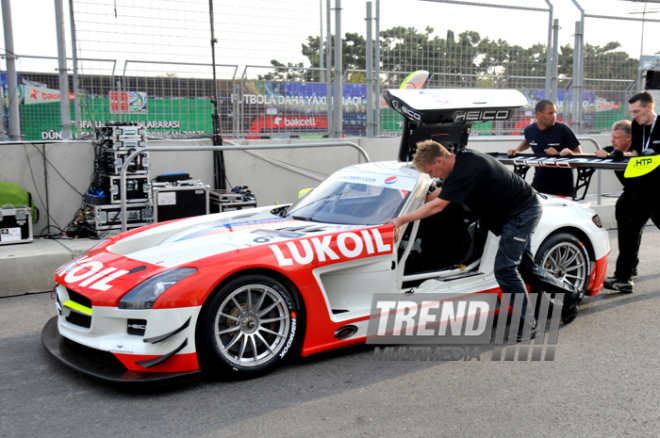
pixel 65 351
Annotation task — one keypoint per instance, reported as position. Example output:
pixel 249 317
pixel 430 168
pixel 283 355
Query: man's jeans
pixel 514 249
pixel 515 265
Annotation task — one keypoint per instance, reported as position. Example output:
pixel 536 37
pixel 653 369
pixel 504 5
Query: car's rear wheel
pixel 250 326
pixel 566 258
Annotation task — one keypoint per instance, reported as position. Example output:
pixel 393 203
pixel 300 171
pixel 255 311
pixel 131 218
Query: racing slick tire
pixel 564 256
pixel 251 325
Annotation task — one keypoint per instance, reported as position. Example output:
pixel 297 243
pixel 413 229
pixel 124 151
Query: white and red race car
pixel 239 292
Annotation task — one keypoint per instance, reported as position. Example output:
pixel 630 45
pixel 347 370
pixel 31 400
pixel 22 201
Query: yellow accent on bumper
pixel 78 307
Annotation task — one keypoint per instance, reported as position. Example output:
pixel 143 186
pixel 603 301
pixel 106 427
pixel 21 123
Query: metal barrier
pixel 129 159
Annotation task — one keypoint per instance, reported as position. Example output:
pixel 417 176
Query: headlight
pixel 145 294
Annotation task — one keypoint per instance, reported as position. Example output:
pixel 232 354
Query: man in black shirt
pixel 641 202
pixel 506 206
pixel 622 147
pixel 549 137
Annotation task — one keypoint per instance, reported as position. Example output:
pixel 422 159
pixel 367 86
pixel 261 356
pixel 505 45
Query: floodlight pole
pixel 218 157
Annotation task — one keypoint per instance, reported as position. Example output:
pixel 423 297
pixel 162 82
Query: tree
pixel 465 59
pixel 354 53
pixel 609 63
pixel 290 72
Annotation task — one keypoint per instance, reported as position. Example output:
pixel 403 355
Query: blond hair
pixel 427 152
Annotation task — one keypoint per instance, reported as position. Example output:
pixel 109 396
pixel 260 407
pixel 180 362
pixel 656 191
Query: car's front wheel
pixel 566 258
pixel 250 326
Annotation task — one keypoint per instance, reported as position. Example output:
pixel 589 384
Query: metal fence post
pixel 554 74
pixel 370 75
pixel 328 60
pixel 578 68
pixel 549 55
pixel 377 69
pixel 338 100
pixel 65 112
pixel 76 90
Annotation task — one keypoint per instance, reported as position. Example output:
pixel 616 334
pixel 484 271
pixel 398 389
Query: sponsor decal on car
pixel 90 273
pixel 292 336
pixel 123 347
pixel 377 180
pixel 357 178
pixel 342 246
pixel 477 115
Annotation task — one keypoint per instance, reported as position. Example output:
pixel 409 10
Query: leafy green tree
pixel 607 62
pixel 289 72
pixel 600 62
pixel 354 53
pixel 465 59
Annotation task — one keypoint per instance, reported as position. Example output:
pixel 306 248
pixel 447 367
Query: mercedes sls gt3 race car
pixel 239 292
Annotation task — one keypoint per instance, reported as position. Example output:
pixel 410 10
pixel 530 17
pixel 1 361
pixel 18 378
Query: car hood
pixel 183 242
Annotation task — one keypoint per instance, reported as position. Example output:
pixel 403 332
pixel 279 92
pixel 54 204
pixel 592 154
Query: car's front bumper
pixel 102 364
pixel 597 277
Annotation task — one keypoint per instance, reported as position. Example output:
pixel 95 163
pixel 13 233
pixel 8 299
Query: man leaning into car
pixel 506 205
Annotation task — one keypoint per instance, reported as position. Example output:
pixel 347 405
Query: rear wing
pixel 446 115
pixel 586 165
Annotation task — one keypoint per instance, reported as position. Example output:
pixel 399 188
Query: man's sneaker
pixel 569 313
pixel 609 282
pixel 613 283
pixel 522 337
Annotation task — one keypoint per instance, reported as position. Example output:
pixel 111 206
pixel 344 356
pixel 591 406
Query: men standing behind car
pixel 552 138
pixel 640 203
pixel 621 147
pixel 506 205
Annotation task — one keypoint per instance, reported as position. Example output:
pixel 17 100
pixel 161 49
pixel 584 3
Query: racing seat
pixel 442 241
pixel 477 235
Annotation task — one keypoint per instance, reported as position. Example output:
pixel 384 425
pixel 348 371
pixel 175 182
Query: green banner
pixel 166 117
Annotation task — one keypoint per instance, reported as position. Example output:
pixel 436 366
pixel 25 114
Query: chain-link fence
pixel 151 61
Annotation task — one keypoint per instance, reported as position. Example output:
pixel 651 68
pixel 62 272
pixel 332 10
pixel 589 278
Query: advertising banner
pixel 32 95
pixel 128 102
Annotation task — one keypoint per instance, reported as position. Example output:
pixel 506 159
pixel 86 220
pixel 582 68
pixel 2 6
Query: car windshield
pixel 354 199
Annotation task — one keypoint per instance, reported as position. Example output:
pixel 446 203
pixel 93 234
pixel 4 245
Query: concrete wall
pixel 59 173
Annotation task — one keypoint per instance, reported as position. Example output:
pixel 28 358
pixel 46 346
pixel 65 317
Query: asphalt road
pixel 602 382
